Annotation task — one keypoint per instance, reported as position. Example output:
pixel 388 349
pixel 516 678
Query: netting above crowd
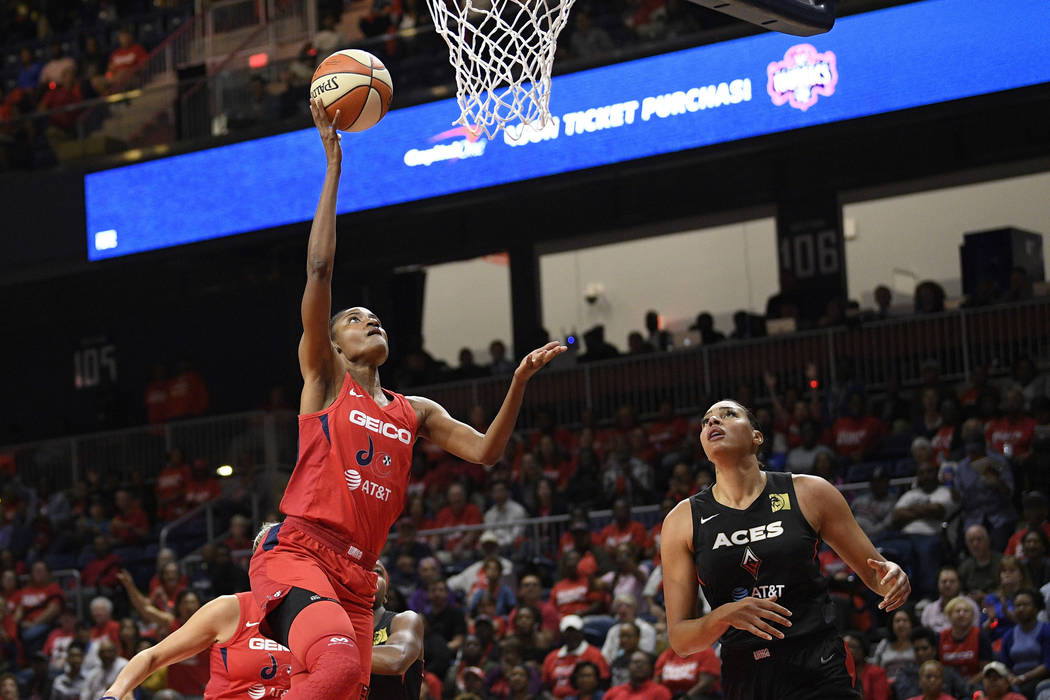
pixel 541 563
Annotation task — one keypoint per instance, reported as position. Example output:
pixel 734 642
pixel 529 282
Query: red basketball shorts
pixel 290 557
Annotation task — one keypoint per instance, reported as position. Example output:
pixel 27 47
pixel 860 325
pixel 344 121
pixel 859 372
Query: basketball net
pixel 502 52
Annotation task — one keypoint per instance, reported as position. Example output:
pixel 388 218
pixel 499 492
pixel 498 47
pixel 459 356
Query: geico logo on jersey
pixel 355 482
pixel 377 426
pixel 263 644
pixel 762 532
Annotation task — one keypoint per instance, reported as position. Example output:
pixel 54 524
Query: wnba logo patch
pixel 779 501
pixel 803 76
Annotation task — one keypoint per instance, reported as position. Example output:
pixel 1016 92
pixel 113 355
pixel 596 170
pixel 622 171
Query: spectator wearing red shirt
pixel 129 524
pixel 1034 506
pixel 559 664
pixel 37 605
pixel 580 537
pixel 979 385
pixel 240 540
pixel 555 465
pixel 187 393
pixel 666 430
pixel 530 592
pixel 565 439
pixel 696 676
pixel 171 582
pixel 1011 436
pixel 171 487
pixel 103 623
pixel 858 434
pixel 64 93
pixel 56 646
pixel 641 686
pixel 872 677
pixel 458 512
pixel 102 569
pixel 203 485
pixel 623 529
pixel 574 593
pixel 10 645
pixel 128 54
pixel 963 645
pixel 948 438
pixel 156 396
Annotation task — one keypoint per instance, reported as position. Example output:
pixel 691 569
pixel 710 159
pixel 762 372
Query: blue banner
pixel 878 62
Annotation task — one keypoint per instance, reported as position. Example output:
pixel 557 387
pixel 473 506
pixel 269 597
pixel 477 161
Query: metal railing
pixel 192 518
pixel 265 440
pixel 958 340
pixel 996 336
pixel 539 536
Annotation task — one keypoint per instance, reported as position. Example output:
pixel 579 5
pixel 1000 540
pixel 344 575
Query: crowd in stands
pixel 58 55
pixel 420 368
pixel 952 485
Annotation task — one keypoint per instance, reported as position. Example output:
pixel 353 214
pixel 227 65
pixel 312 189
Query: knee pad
pixel 333 671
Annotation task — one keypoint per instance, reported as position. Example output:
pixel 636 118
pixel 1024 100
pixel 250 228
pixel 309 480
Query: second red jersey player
pixel 312 576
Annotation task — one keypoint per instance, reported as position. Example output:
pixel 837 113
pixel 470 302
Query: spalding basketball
pixel 357 84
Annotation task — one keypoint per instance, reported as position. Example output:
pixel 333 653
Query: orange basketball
pixel 357 84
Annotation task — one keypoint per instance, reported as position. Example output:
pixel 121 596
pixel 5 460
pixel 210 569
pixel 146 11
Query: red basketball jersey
pixel 249 665
pixel 354 460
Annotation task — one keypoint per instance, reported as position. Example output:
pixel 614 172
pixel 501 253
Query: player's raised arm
pixel 316 356
pixel 460 439
pixel 215 622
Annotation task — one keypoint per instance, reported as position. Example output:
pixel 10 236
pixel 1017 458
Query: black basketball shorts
pixel 809 668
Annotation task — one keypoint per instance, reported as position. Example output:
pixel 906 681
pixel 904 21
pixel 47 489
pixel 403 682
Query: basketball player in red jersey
pixel 312 576
pixel 751 541
pixel 244 664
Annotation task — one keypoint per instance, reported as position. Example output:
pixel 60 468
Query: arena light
pixel 224 470
pixel 258 60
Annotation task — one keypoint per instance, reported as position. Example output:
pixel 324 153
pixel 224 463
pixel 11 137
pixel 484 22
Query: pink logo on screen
pixel 461 131
pixel 804 75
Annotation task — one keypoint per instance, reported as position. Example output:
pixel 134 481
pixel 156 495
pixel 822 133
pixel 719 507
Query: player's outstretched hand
pixel 893 584
pixel 329 135
pixel 535 360
pixel 751 614
pixel 125 578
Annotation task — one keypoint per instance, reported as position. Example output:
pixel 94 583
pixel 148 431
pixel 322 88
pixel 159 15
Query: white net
pixel 502 52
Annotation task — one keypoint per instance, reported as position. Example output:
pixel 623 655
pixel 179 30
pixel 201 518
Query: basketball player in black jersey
pixel 751 541
pixel 397 648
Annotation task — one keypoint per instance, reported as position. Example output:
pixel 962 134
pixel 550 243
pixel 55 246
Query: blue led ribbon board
pixel 884 61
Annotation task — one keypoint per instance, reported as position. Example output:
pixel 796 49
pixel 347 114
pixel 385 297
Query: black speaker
pixel 991 255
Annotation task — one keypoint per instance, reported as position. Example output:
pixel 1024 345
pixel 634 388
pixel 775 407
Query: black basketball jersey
pixel 404 687
pixel 767 549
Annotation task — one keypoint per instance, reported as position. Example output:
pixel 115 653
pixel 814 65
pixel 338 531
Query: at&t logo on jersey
pixel 741 592
pixel 803 76
pixel 755 534
pixel 377 426
pixel 355 482
pixel 259 690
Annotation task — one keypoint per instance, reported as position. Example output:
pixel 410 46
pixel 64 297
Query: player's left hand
pixel 538 358
pixel 893 581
